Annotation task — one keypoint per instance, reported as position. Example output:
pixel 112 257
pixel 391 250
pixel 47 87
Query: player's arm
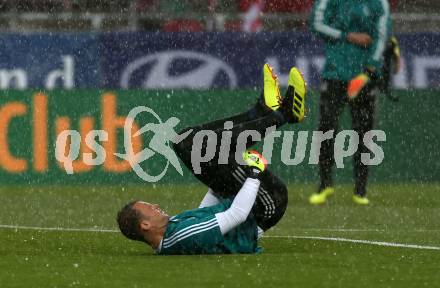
pixel 323 11
pixel 240 207
pixel 245 198
pixel 380 34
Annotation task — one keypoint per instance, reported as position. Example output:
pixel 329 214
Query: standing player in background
pixel 355 34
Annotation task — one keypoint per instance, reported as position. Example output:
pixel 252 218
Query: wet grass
pixel 404 213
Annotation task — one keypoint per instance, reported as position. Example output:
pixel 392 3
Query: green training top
pixel 332 20
pixel 197 232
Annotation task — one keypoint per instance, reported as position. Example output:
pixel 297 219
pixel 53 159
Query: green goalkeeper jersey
pixel 332 20
pixel 197 232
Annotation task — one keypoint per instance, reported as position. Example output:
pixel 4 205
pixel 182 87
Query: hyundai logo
pixel 178 69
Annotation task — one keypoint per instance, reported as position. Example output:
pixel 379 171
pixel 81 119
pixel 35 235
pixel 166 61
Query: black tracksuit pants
pixel 333 100
pixel 227 179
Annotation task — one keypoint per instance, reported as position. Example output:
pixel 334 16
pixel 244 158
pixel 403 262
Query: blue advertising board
pixel 200 60
pixel 185 60
pixel 49 61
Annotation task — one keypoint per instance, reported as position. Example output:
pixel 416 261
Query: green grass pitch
pixel 400 213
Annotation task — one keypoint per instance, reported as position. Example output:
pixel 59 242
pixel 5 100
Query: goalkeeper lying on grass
pixel 242 202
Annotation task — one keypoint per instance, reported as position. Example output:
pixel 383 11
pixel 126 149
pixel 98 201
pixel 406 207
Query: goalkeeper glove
pixel 255 163
pixel 359 82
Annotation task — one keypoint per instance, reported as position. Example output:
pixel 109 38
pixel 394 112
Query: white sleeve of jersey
pixel 318 21
pixel 240 207
pixel 209 200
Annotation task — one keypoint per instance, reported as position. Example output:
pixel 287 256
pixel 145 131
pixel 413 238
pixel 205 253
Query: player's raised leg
pixel 227 180
pixel 271 110
pixel 270 100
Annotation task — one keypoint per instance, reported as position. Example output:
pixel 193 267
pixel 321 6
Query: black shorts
pixel 226 180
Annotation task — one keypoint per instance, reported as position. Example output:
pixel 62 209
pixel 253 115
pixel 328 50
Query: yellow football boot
pixel 361 200
pixel 271 94
pixel 320 198
pixel 295 96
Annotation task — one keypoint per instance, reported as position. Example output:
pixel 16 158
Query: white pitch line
pixel 16 227
pixel 296 229
pixel 358 241
pixel 363 230
pixel 338 239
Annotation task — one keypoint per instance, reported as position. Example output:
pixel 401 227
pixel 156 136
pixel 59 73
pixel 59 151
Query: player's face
pixel 149 210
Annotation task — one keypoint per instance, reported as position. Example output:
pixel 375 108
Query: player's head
pixel 138 219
